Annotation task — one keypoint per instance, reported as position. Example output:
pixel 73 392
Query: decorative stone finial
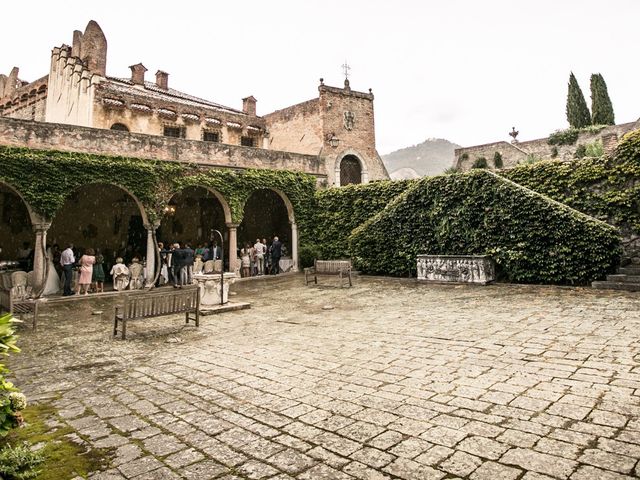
pixel 322 81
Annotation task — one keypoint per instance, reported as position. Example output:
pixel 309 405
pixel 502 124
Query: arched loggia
pixel 191 216
pixel 105 217
pixel 268 213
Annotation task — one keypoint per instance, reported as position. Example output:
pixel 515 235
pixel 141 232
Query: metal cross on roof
pixel 345 70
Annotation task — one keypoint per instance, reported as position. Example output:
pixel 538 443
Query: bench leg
pixel 35 315
pixel 124 329
pixel 350 284
pixel 115 326
pixel 315 279
pixel 340 276
pixel 197 317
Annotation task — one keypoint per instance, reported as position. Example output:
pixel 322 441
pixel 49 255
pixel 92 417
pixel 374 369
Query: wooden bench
pixel 25 306
pixel 342 268
pixel 158 303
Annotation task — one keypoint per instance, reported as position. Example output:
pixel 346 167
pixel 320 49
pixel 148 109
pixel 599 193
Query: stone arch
pixel 139 204
pixel 33 216
pixel 291 237
pixel 350 153
pixel 223 201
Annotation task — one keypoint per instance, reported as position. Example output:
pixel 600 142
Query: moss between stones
pixel 64 457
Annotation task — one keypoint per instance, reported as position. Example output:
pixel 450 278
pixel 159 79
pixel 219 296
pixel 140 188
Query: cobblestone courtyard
pixel 388 379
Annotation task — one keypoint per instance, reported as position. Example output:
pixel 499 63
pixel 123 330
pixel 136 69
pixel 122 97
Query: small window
pixel 248 141
pixel 120 127
pixel 208 136
pixel 175 132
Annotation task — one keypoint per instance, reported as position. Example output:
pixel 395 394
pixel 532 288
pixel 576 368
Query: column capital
pixel 151 226
pixel 232 225
pixel 41 227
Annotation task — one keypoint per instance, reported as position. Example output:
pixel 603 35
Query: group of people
pixel 177 260
pixel 261 258
pixel 176 265
pixel 89 266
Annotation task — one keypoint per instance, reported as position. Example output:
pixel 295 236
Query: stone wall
pixel 27 102
pixel 539 149
pixel 50 136
pixel 296 129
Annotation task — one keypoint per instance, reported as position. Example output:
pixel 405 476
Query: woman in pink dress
pixel 86 270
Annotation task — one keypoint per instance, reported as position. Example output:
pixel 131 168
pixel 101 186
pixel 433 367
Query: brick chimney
pixel 249 105
pixel 162 80
pixel 137 73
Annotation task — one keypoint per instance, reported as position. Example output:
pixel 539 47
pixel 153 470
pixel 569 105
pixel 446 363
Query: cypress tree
pixel 601 107
pixel 577 111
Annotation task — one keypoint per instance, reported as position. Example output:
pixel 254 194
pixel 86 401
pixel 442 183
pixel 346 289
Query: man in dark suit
pixel 276 253
pixel 177 262
pixel 189 257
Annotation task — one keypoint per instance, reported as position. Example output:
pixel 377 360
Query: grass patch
pixel 63 457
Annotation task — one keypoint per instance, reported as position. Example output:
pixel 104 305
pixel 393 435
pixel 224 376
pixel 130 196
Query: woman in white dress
pixel 52 285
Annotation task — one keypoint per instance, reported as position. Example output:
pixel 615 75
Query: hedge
pixel 532 238
pixel 340 210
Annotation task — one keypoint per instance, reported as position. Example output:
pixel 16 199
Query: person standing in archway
pixel 259 249
pixel 67 261
pixel 276 253
pixel 86 271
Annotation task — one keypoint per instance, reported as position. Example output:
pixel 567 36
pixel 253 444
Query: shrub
pixel 554 152
pixel 497 160
pixel 464 157
pixel 532 238
pixel 11 402
pixel 564 137
pixel 451 170
pixel 480 162
pixel 531 158
pixel 340 210
pixel 594 149
pixel 581 151
pixel 19 462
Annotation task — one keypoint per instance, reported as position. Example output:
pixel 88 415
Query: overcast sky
pixel 464 70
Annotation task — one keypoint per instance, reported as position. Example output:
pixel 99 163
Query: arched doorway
pixel 192 215
pixel 105 217
pixel 269 213
pixel 350 170
pixel 16 232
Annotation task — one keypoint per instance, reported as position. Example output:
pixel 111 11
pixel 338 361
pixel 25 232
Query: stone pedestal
pixel 456 268
pixel 210 288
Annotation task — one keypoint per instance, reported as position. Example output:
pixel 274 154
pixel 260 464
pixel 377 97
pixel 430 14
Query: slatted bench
pixel 158 303
pixel 341 268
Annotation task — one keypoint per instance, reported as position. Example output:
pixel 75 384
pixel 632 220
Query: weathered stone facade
pixel 79 92
pixel 539 149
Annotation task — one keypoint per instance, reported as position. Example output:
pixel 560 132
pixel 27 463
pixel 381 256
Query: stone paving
pixel 388 379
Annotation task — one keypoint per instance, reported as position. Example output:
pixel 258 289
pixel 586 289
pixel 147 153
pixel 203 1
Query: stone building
pixel 78 107
pixel 337 127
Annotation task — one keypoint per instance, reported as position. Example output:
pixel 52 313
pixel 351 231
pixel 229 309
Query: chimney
pixel 162 80
pixel 137 73
pixel 249 105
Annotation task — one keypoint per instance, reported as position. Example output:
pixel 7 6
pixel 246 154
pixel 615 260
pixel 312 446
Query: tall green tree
pixel 577 111
pixel 601 107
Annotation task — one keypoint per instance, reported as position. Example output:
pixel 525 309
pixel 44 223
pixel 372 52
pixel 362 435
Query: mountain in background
pixel 431 157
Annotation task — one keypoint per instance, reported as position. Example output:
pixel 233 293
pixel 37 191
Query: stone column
pixel 151 255
pixel 294 246
pixel 233 245
pixel 40 258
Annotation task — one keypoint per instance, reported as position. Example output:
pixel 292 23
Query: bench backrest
pixel 162 302
pixel 332 266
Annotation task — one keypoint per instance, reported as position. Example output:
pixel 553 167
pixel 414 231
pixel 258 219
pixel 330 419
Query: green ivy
pixel 606 188
pixel 340 210
pixel 532 238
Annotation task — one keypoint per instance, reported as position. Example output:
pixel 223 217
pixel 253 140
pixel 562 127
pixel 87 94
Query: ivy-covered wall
pixel 46 179
pixel 606 188
pixel 340 210
pixel 532 238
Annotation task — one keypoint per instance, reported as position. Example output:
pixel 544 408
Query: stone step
pixel 623 277
pixel 630 287
pixel 630 270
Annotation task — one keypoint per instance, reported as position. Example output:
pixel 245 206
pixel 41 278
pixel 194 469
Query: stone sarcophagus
pixel 456 268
